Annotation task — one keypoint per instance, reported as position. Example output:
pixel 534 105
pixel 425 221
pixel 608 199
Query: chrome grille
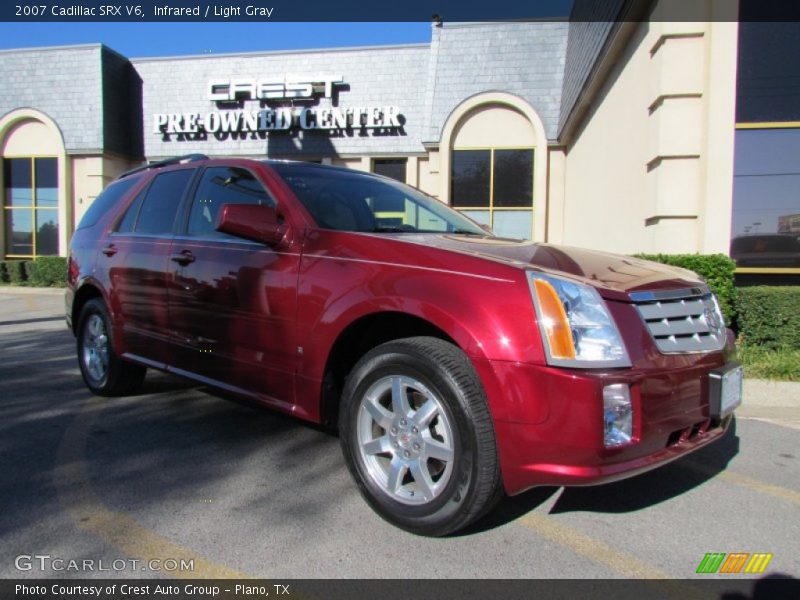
pixel 682 323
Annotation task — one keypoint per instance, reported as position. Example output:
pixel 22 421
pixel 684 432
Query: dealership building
pixel 611 134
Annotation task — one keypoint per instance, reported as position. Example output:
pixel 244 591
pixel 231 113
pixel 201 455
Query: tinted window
pixel 471 177
pixel 160 205
pixel 218 186
pixel 128 221
pixel 766 205
pixel 513 178
pixel 106 200
pixel 351 201
pixel 391 167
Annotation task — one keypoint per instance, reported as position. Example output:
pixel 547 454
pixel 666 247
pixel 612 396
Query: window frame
pixel 761 270
pixel 185 211
pixel 33 208
pixel 491 208
pixel 144 191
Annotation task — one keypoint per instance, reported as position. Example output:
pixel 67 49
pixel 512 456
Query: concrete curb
pixel 762 392
pixel 11 290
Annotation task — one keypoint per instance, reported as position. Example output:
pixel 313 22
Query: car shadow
pixel 629 495
pixel 656 486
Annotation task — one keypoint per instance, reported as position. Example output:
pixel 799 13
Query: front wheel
pixel 104 373
pixel 418 437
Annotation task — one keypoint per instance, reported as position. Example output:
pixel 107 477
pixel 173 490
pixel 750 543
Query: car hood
pixel 614 275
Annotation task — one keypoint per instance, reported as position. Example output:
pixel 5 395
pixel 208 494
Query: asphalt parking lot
pixel 179 473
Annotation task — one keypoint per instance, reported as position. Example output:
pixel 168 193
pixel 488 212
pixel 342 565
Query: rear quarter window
pixel 107 199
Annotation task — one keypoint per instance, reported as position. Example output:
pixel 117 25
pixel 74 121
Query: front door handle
pixel 183 258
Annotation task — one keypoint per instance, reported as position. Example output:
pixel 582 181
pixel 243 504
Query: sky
pixel 170 39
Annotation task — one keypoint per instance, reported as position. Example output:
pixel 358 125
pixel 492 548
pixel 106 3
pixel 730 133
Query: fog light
pixel 617 415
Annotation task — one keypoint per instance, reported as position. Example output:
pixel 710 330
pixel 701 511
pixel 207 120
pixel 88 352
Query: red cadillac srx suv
pixel 457 365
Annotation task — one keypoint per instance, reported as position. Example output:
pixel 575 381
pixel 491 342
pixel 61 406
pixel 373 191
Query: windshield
pixel 353 201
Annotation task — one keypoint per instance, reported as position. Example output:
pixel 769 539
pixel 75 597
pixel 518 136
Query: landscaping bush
pixel 48 271
pixel 769 316
pixel 3 272
pixel 16 272
pixel 716 269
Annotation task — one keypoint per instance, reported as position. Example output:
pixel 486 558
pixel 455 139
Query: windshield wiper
pixel 392 229
pixel 469 232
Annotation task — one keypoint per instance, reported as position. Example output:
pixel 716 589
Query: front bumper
pixel 549 421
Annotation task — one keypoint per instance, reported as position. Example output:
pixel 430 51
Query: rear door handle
pixel 109 250
pixel 183 258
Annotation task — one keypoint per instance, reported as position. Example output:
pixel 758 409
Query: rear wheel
pixel 104 373
pixel 418 438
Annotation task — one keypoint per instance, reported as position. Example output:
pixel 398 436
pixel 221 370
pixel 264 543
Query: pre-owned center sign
pixel 229 93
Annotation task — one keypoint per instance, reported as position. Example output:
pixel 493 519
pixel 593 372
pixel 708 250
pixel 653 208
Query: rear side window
pixel 160 205
pixel 107 200
pixel 128 221
pixel 218 186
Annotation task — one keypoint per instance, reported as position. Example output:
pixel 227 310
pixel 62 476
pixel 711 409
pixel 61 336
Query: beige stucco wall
pixel 27 132
pixel 90 175
pixel 493 126
pixel 497 119
pixel 650 168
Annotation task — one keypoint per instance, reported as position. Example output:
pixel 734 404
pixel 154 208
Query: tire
pixel 418 438
pixel 104 373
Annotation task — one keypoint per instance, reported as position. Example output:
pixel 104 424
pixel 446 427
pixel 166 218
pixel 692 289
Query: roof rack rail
pixel 165 163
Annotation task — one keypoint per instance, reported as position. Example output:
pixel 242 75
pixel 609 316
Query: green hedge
pixel 15 272
pixel 716 269
pixel 45 271
pixel 769 316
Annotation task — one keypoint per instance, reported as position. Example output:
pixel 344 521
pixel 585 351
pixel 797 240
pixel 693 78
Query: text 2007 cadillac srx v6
pixel 457 365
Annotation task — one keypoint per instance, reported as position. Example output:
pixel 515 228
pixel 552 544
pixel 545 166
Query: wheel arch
pixel 358 338
pixel 88 291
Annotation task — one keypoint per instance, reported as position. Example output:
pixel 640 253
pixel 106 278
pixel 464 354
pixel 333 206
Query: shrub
pixel 769 316
pixel 3 272
pixel 48 271
pixel 716 269
pixel 16 272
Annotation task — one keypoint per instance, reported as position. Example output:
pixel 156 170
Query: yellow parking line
pixel 599 552
pixel 86 509
pixel 749 483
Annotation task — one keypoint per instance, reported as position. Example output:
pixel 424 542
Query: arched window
pixel 30 153
pixel 496 165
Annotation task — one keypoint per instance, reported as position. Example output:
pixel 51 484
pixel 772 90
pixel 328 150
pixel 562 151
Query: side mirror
pixel 486 228
pixel 252 222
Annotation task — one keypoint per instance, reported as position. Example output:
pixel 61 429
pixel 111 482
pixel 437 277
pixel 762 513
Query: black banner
pixel 771 587
pixel 176 11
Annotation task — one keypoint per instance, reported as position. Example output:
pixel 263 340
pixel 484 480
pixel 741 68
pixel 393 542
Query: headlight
pixel 576 327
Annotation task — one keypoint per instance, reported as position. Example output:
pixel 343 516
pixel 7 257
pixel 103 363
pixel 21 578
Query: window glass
pixel 46 182
pixel 349 201
pixel 30 199
pixel 395 168
pixel 46 232
pixel 157 215
pixel 18 178
pixel 766 206
pixel 487 183
pixel 19 232
pixel 471 177
pixel 766 77
pixel 513 178
pixel 106 200
pixel 516 224
pixel 128 221
pixel 218 186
